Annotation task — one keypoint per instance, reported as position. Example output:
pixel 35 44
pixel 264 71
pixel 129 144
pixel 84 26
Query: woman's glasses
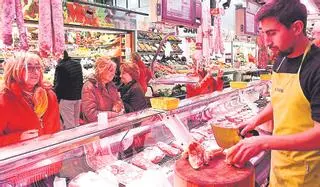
pixel 33 68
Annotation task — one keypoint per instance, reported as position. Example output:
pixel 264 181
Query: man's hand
pixel 247 126
pixel 247 148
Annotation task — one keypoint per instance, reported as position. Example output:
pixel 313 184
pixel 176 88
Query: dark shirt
pixel 309 77
pixel 68 80
pixel 132 97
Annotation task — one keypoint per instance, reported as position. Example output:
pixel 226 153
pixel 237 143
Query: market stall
pixel 88 30
pixel 134 147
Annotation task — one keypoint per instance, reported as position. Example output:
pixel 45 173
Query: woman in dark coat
pixel 131 91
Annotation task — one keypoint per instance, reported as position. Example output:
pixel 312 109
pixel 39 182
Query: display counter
pixel 132 147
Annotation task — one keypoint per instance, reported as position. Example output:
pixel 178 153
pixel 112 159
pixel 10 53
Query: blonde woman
pixel 131 92
pixel 28 108
pixel 99 93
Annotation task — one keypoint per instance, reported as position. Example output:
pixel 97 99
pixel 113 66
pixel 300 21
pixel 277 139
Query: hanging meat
pixel 58 28
pixel 218 43
pixel 262 52
pixel 1 18
pixel 21 28
pixel 45 28
pixel 51 32
pixel 8 16
pixel 10 10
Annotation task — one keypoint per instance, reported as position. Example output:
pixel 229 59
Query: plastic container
pixel 265 77
pixel 183 71
pixel 164 103
pixel 234 84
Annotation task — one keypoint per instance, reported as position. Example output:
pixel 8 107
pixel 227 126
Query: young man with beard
pixel 295 100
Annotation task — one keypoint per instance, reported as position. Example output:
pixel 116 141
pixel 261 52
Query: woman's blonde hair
pixel 135 57
pixel 132 69
pixel 14 67
pixel 103 63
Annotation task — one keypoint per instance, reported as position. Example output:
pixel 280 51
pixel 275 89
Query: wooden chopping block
pixel 217 174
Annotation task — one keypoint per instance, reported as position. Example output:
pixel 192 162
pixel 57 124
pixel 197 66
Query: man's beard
pixel 286 52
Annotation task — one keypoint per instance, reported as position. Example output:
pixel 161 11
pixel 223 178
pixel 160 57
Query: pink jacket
pixel 97 98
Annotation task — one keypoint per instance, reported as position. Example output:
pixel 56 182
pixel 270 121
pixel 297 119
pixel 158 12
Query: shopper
pixel 99 93
pixel 116 78
pixel 295 103
pixel 145 73
pixel 68 84
pixel 131 92
pixel 28 107
pixel 206 84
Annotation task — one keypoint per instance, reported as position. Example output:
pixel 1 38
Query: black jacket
pixel 68 80
pixel 132 97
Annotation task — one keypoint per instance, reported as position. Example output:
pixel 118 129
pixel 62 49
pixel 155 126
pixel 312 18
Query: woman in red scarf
pixel 28 109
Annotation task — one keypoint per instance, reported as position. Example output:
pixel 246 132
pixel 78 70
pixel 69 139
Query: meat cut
pixel 153 154
pixel 143 163
pixel 196 155
pixel 168 150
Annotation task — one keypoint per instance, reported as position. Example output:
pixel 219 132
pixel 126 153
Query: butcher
pixel 295 100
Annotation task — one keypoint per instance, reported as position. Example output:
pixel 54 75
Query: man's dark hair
pixel 285 11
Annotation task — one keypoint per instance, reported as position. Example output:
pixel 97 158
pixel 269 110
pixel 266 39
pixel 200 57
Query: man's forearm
pixel 265 115
pixel 304 141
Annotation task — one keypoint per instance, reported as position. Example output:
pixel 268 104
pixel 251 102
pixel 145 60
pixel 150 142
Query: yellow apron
pixel 292 114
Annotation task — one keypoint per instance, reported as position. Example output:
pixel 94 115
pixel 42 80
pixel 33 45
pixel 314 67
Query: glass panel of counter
pixel 123 152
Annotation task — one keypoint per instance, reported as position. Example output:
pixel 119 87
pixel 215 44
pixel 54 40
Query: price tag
pixel 167 49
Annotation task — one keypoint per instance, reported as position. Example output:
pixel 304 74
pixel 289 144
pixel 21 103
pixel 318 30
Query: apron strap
pixel 304 55
pixel 280 64
pixel 303 58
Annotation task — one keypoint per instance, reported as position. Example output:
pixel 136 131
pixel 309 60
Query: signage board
pixel 85 15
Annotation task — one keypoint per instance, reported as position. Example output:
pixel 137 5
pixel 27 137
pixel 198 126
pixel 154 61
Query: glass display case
pixel 132 147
